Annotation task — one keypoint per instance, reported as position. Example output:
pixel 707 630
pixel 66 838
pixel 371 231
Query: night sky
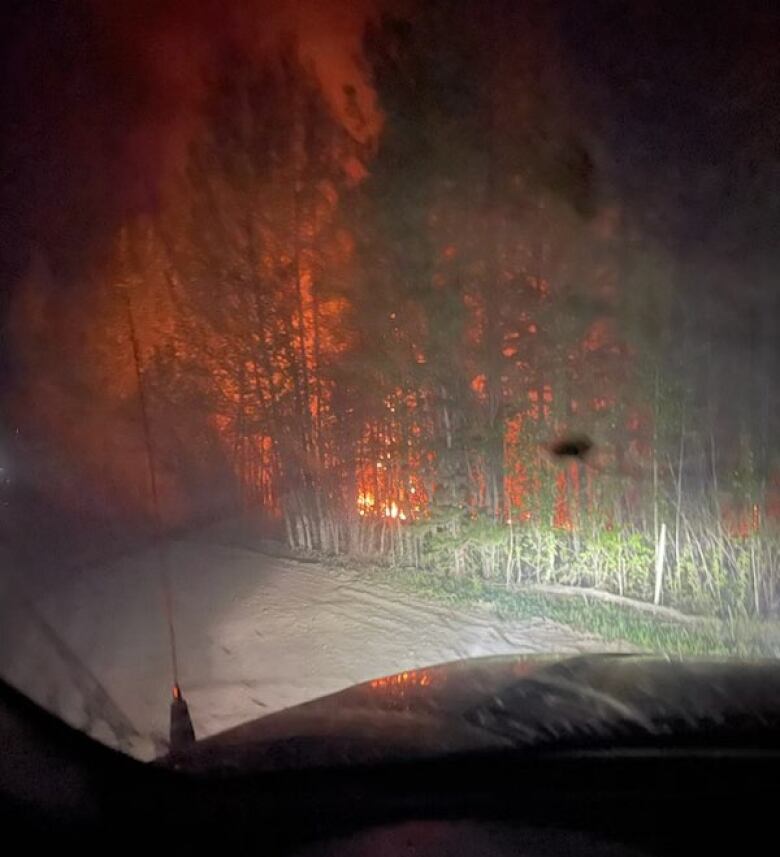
pixel 687 98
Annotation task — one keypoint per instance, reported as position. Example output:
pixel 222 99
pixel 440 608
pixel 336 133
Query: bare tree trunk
pixel 317 373
pixel 655 455
pixel 510 550
pixel 678 511
pixel 538 554
pixel 301 312
pixel 754 574
pixel 660 552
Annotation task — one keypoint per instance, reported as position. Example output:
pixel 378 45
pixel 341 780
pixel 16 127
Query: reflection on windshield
pixel 397 683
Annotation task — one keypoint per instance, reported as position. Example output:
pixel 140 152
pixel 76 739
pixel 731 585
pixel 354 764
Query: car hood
pixel 538 703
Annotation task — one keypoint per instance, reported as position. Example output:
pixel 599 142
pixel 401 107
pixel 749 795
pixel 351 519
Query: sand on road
pixel 255 634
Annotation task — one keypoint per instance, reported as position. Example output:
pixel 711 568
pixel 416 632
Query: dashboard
pixel 666 799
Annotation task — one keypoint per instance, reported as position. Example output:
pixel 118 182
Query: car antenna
pixel 182 733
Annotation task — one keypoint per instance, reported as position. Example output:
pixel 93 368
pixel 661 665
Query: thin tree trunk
pixel 301 312
pixel 678 511
pixel 510 550
pixel 655 455
pixel 659 565
pixel 317 373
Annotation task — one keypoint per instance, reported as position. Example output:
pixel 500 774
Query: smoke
pixel 171 47
pixel 102 98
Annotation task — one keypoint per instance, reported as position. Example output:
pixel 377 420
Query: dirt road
pixel 256 634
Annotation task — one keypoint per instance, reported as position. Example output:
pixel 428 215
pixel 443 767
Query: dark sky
pixel 686 98
pixel 682 102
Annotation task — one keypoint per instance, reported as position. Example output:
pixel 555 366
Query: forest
pixel 373 335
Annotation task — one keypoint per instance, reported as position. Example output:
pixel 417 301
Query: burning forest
pixel 394 295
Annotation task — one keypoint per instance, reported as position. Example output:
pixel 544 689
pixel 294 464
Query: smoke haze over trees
pixel 374 273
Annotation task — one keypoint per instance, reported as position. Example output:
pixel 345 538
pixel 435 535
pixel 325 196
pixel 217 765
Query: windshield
pixel 343 339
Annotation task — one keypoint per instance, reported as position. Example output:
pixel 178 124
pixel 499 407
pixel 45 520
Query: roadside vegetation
pixel 615 623
pixel 623 622
pixel 697 567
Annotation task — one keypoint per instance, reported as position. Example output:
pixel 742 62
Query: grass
pixel 613 623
